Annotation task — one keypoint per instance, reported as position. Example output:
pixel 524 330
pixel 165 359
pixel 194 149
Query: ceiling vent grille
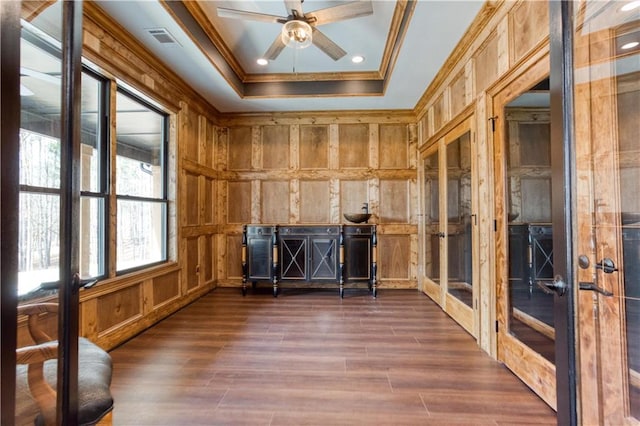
pixel 162 35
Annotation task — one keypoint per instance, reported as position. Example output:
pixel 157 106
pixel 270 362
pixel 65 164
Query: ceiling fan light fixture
pixel 296 34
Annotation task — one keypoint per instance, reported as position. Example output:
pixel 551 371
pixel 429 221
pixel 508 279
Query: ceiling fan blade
pixel 326 45
pixel 294 5
pixel 342 12
pixel 275 49
pixel 223 12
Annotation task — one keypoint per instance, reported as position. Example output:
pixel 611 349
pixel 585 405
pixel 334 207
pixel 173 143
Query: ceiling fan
pixel 299 28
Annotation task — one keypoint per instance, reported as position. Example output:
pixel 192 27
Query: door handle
pixel 557 286
pixel 606 265
pixel 593 287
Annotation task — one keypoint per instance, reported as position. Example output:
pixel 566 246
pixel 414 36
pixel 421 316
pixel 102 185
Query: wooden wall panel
pixel 234 258
pixel 239 202
pixel 208 201
pixel 275 205
pixel 394 146
pixel 486 62
pixel 119 307
pixel 314 147
pixel 528 25
pixel 394 264
pixel 207 142
pixel 532 152
pixel 191 193
pixel 165 288
pixel 275 147
pixel 354 145
pixel 536 200
pixel 394 201
pixel 191 270
pixel 458 93
pixel 353 194
pixel 240 148
pixel 314 202
pixel 189 133
pixel 438 113
pixel 207 258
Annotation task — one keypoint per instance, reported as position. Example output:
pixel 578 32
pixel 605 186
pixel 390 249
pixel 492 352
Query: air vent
pixel 162 35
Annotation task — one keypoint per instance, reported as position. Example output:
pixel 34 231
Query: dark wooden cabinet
pixel 309 254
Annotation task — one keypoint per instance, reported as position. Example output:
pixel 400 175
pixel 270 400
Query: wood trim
pixel 480 23
pixel 317 117
pixel 196 24
pixel 32 8
pixel 94 16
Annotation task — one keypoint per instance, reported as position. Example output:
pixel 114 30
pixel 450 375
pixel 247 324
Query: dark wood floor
pixel 310 358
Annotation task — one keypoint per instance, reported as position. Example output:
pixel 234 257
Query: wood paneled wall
pixel 300 168
pixel 313 167
pixel 503 36
pixel 121 306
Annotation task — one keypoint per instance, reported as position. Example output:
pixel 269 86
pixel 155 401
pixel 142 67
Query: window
pixel 93 248
pixel 39 208
pixel 139 237
pixel 140 183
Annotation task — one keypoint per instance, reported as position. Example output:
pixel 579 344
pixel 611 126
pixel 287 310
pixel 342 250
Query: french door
pixel 450 224
pixel 525 231
pixel 45 71
pixel 606 91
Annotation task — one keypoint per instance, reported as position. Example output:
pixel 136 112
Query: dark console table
pixel 309 254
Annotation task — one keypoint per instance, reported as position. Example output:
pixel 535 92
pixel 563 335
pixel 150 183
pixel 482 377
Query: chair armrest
pixel 42 392
pixel 33 311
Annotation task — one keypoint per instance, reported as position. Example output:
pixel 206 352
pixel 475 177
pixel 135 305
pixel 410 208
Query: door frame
pixel 68 297
pixel 528 365
pixel 467 317
pixel 564 217
pixel 9 184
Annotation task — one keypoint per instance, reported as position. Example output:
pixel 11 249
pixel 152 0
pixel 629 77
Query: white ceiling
pixel 434 30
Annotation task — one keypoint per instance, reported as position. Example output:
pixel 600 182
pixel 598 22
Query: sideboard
pixel 309 254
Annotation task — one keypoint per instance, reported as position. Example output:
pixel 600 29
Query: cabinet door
pixel 357 255
pixel 259 257
pixel 324 259
pixel 294 254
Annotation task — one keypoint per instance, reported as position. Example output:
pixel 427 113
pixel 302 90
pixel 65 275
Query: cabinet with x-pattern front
pixel 309 253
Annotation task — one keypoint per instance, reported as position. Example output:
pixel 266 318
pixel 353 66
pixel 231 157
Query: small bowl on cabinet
pixel 357 217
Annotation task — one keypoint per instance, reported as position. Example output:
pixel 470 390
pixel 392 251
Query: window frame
pixel 163 199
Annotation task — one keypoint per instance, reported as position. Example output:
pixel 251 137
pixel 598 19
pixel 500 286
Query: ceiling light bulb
pixel 630 6
pixel 262 62
pixel 296 34
pixel 357 59
pixel 629 45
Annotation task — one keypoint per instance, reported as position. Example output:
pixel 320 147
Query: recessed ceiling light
pixel 262 62
pixel 357 59
pixel 630 6
pixel 629 45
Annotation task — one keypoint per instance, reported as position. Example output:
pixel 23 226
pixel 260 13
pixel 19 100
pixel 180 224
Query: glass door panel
pixel 524 238
pixel 50 64
pixel 459 259
pixel 607 107
pixel 432 218
pixel 530 253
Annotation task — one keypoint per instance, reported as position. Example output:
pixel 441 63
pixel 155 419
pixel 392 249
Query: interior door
pixel 606 89
pixel 49 180
pixel 524 228
pixel 449 224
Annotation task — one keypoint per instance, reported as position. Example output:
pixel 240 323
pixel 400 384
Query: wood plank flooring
pixel 310 358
